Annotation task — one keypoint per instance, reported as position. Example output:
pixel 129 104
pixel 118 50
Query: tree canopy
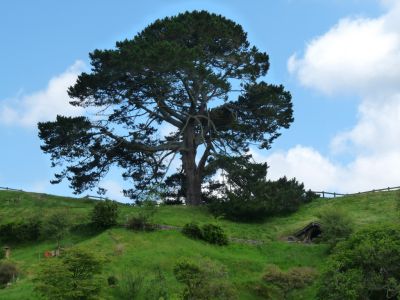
pixel 188 85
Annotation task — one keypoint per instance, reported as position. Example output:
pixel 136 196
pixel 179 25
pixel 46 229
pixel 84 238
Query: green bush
pixel 214 234
pixel 366 266
pixel 27 231
pixel 112 280
pixel 143 219
pixel 294 278
pixel 262 199
pixel 8 273
pixel 209 233
pixel 56 226
pixel 139 223
pixel 72 276
pixel 336 226
pixel 203 281
pixel 192 230
pixel 105 214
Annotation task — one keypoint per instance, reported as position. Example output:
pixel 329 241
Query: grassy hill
pixel 143 252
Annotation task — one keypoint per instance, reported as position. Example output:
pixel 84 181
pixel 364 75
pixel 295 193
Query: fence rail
pixel 10 189
pixel 324 194
pixel 95 197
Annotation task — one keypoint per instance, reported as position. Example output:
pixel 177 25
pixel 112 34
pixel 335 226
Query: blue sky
pixel 339 58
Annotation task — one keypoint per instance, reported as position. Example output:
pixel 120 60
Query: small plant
pixel 295 278
pixel 129 286
pixel 56 226
pixel 143 220
pixel 193 231
pixel 105 214
pixel 214 234
pixel 157 287
pixel 112 280
pixel 209 233
pixel 336 226
pixel 8 273
pixel 203 281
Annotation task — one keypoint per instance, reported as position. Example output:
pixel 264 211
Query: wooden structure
pixel 7 252
pixel 307 234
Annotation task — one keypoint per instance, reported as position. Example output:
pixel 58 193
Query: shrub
pixel 209 233
pixel 214 234
pixel 294 278
pixel 8 272
pixel 139 223
pixel 366 266
pixel 72 276
pixel 105 214
pixel 336 226
pixel 143 219
pixel 112 280
pixel 261 199
pixel 26 231
pixel 192 230
pixel 206 280
pixel 56 226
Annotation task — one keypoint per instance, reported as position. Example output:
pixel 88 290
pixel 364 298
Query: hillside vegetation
pixel 252 248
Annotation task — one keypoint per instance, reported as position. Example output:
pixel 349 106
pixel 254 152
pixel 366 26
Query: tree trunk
pixel 192 175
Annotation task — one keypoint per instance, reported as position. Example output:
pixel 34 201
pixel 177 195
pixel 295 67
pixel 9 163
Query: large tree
pixel 187 85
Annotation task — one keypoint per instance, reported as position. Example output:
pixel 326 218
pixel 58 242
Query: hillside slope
pixel 143 252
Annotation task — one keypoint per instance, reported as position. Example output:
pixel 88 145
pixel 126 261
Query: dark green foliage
pixel 336 226
pixel 143 219
pixel 139 223
pixel 56 226
pixel 366 266
pixel 203 281
pixel 192 230
pixel 8 273
pixel 209 233
pixel 70 277
pixel 105 214
pixel 250 196
pixel 182 71
pixel 294 278
pixel 26 231
pixel 214 234
pixel 112 280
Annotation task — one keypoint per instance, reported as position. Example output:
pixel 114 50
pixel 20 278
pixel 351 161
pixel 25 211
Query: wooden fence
pixel 324 194
pixel 10 189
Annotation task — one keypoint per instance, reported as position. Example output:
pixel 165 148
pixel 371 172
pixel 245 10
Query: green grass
pixel 143 252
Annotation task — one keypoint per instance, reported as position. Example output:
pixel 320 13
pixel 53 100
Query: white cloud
pixel 28 109
pixel 319 173
pixel 304 163
pixel 357 56
pixel 377 130
pixel 114 190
